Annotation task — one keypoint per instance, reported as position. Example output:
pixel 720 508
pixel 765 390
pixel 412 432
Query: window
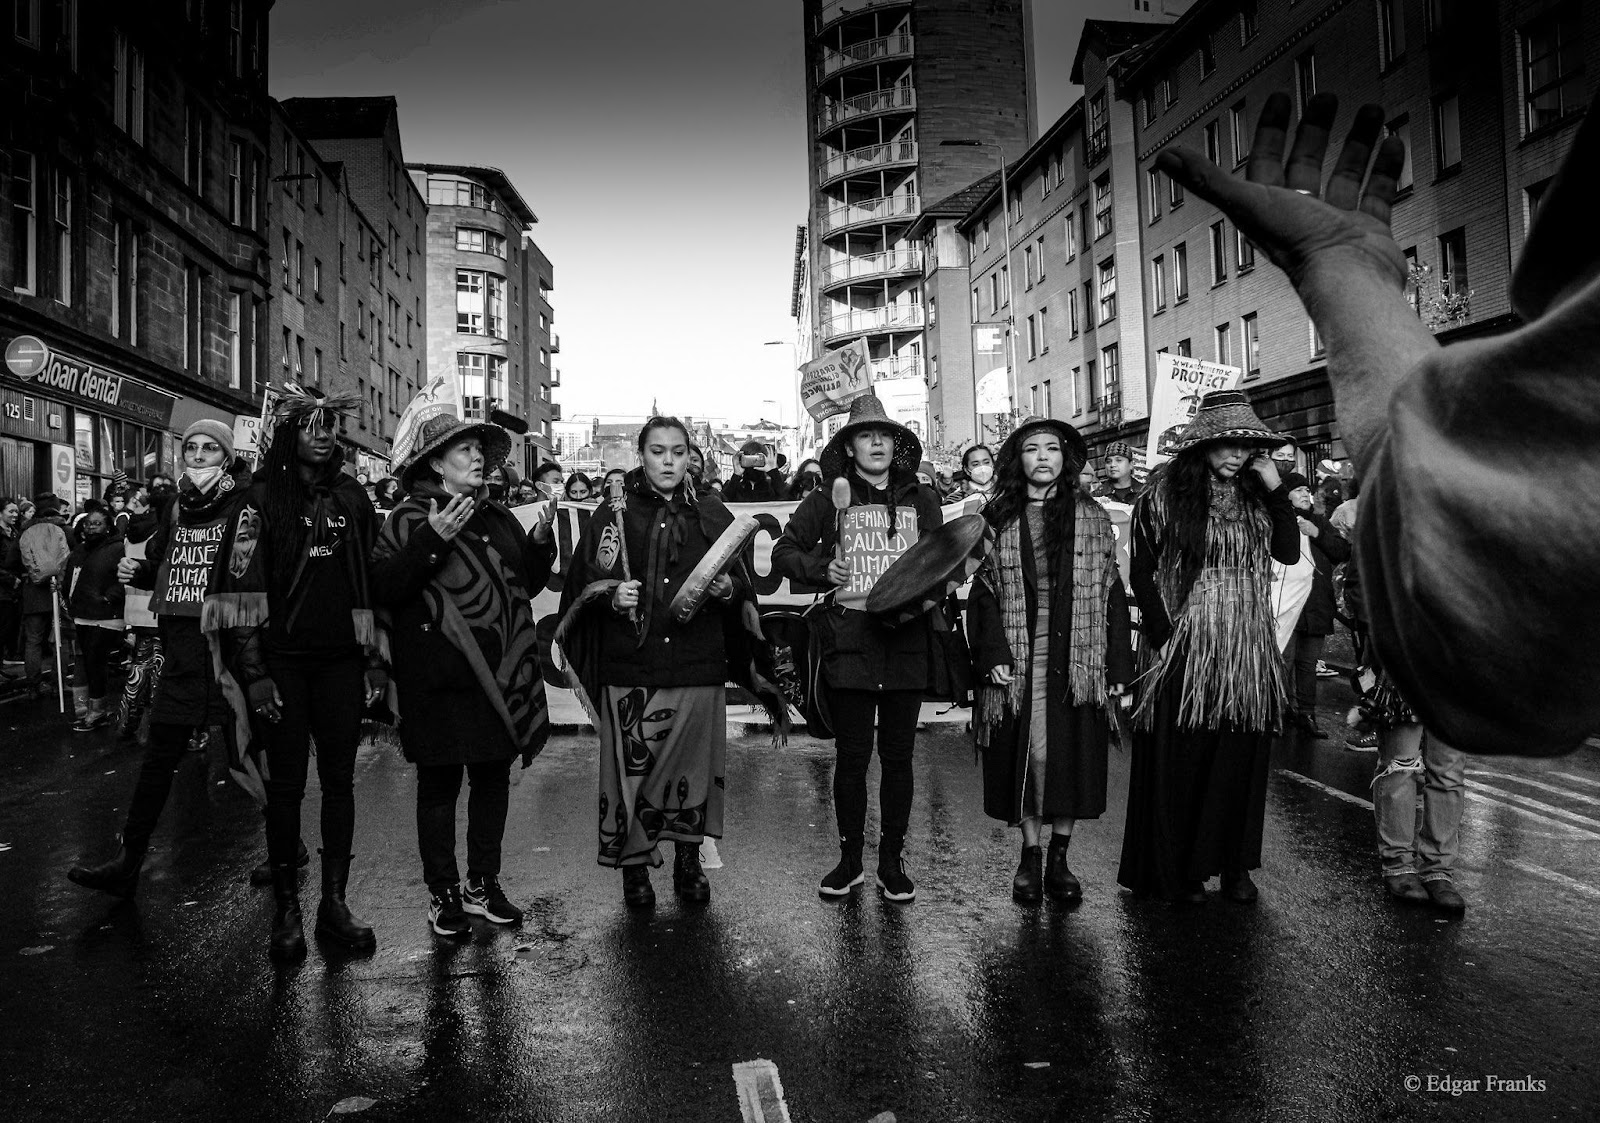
pixel 994 293
pixel 1102 206
pixel 1169 91
pixel 235 182
pixel 253 190
pixel 974 313
pixel 193 318
pixel 983 235
pixel 1318 349
pixel 1219 257
pixel 1048 411
pixel 1237 126
pixel 1552 67
pixel 1183 348
pixel 1180 272
pixel 1044 331
pixel 469 301
pixel 24 223
pixel 1533 196
pixel 1015 202
pixel 1147 105
pixel 1027 266
pixel 1106 279
pixel 300 269
pixel 1208 56
pixel 1111 373
pixel 1437 16
pixel 1250 329
pixel 1305 79
pixel 236 38
pixel 1072 313
pixel 1447 134
pixel 342 330
pixel 495 324
pixel 258 334
pixel 1083 224
pixel 1158 282
pixel 1033 339
pixel 285 260
pixel 316 366
pixel 933 370
pixel 1069 234
pixel 342 254
pixel 1152 183
pixel 1401 127
pixel 62 258
pixel 1453 262
pixel 1244 251
pixel 1097 119
pixel 116 280
pixel 134 281
pixel 1039 257
pixel 194 148
pixel 1391 33
pixel 235 340
pixel 1249 21
pixel 127 87
pixel 1224 344
pixel 1174 194
pixel 1213 135
pixel 26 24
pixel 1080 390
pixel 1092 384
pixel 480 241
pixel 316 277
pixel 299 358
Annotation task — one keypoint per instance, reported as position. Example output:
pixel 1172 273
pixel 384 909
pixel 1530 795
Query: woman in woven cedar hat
pixel 876 672
pixel 1048 625
pixel 454 573
pixel 1212 690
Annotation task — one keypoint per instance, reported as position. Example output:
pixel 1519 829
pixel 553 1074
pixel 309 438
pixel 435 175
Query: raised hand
pixel 1287 210
pixel 448 522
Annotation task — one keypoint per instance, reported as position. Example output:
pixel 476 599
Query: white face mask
pixel 981 474
pixel 203 478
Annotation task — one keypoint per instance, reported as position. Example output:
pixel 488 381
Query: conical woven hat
pixel 867 412
pixel 1225 415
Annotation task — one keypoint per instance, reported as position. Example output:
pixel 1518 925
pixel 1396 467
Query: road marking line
pixel 1572 831
pixel 1512 797
pixel 1320 786
pixel 1551 875
pixel 760 1092
pixel 1577 779
pixel 1581 797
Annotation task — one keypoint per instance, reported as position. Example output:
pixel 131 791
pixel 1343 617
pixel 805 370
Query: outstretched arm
pixel 1334 244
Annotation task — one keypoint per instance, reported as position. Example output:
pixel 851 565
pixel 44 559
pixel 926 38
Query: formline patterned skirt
pixel 662 764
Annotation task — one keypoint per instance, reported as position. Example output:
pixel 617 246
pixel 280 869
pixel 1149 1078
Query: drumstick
pixel 620 505
pixel 841 504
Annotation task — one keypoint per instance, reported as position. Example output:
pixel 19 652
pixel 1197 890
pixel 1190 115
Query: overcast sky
pixel 660 142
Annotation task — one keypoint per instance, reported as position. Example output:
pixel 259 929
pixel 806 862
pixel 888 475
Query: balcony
pixel 859 321
pixel 888 208
pixel 897 46
pixel 555 377
pixel 895 99
pixel 555 411
pixel 555 343
pixel 867 159
pixel 871 265
pixel 835 10
pixel 898 366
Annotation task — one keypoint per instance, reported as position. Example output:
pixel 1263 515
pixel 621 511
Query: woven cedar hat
pixel 440 432
pixel 1072 442
pixel 1225 415
pixel 867 412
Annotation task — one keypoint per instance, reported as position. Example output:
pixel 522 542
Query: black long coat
pixel 1328 549
pixel 1077 736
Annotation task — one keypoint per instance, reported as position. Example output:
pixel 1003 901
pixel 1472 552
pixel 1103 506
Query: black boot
pixel 636 891
pixel 1058 879
pixel 1027 885
pixel 893 881
pixel 288 939
pixel 845 876
pixel 1239 888
pixel 262 874
pixel 334 919
pixel 119 876
pixel 688 881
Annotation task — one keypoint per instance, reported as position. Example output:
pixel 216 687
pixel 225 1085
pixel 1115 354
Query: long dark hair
pixel 284 500
pixel 1186 480
pixel 1010 500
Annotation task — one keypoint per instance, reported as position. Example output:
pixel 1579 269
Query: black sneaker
pixel 446 914
pixel 892 880
pixel 845 876
pixel 484 898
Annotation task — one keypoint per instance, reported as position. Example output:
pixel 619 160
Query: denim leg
pixel 1444 785
pixel 1394 798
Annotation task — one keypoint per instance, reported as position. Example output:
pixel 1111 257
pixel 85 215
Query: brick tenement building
pixel 363 134
pixel 133 276
pixel 489 289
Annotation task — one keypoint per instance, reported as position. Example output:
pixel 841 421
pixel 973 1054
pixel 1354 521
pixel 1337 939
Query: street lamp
pixel 794 366
pixel 1011 314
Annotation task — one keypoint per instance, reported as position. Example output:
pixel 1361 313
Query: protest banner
pixel 1180 383
pixel 828 385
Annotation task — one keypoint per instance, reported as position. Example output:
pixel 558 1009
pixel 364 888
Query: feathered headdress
pixel 301 406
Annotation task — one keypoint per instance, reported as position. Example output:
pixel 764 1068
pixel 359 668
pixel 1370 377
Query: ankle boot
pixel 262 874
pixel 636 891
pixel 893 881
pixel 119 876
pixel 288 940
pixel 1027 885
pixel 334 919
pixel 687 879
pixel 94 716
pixel 80 702
pixel 1058 879
pixel 845 876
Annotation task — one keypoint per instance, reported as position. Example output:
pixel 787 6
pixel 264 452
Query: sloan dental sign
pixel 28 358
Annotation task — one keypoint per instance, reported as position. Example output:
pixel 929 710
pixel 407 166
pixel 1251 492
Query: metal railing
pixel 555 411
pixel 872 265
pixel 899 366
pixel 890 100
pixel 865 159
pixel 883 209
pixel 898 45
pixel 835 10
pixel 555 343
pixel 555 377
pixel 890 317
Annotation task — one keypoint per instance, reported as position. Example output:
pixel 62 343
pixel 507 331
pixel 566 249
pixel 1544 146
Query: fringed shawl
pixel 1224 633
pixel 1094 571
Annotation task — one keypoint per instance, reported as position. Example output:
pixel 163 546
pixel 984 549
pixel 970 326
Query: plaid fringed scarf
pixel 1094 567
pixel 1224 632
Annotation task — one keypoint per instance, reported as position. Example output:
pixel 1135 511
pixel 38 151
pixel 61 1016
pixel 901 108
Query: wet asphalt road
pixel 1319 1003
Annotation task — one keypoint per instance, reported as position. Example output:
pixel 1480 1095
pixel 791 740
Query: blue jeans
pixel 1407 761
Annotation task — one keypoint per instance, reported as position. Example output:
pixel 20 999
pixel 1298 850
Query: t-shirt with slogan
pixel 183 574
pixel 318 616
pixel 870 547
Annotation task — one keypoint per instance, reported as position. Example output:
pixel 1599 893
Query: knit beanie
pixel 216 430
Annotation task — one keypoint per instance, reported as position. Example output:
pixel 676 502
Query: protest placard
pixel 828 385
pixel 1180 383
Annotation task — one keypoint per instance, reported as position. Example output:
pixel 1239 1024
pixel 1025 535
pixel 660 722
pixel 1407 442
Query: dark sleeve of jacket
pixel 985 634
pixel 930 512
pixel 1328 540
pixel 801 554
pixel 1119 635
pixel 1153 618
pixel 402 576
pixel 155 549
pixel 1285 530
pixel 538 559
pixel 11 561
